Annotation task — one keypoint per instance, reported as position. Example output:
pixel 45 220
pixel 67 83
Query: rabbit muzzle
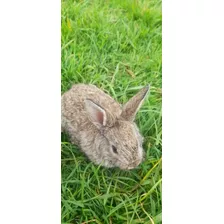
pixel 133 165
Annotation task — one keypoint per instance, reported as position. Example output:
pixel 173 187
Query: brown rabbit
pixel 104 130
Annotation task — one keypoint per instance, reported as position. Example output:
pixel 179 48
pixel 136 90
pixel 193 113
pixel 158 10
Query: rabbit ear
pixel 96 113
pixel 131 108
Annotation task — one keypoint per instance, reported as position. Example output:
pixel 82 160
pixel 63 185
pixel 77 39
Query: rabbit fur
pixel 103 130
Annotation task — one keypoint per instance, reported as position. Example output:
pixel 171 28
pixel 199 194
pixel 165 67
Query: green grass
pixel 116 45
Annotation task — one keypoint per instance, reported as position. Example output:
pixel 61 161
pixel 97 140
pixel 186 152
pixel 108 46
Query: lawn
pixel 116 45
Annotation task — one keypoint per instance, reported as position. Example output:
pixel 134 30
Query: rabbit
pixel 103 129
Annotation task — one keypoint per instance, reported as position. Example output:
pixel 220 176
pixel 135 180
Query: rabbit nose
pixel 134 164
pixel 131 167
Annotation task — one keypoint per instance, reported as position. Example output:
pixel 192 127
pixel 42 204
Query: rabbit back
pixel 74 117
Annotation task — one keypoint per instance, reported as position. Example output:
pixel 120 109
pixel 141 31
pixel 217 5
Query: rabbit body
pixel 103 130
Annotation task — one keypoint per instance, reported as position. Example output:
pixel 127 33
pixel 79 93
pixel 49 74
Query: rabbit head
pixel 118 142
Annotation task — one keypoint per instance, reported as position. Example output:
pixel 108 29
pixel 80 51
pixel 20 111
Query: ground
pixel 116 45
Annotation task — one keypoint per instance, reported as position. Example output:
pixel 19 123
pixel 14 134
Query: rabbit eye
pixel 114 149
